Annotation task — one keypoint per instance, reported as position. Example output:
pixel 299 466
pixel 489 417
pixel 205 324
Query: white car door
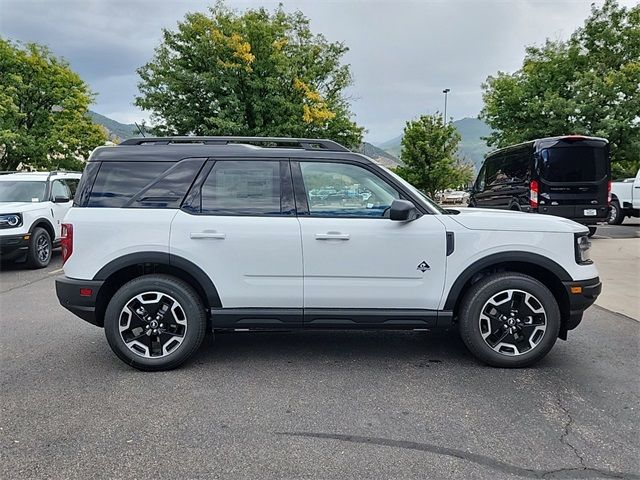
pixel 355 257
pixel 636 191
pixel 59 189
pixel 241 229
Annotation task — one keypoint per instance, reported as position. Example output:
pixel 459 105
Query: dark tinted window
pixel 480 181
pixel 117 182
pixel 573 164
pixel 86 182
pixel 242 188
pixel 169 190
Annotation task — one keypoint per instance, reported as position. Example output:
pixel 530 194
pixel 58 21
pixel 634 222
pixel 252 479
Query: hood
pixel 511 221
pixel 19 207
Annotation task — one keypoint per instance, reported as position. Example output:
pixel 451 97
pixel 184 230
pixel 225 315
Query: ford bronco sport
pixel 171 237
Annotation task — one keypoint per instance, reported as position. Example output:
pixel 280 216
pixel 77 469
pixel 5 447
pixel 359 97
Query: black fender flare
pixel 45 220
pixel 163 258
pixel 534 259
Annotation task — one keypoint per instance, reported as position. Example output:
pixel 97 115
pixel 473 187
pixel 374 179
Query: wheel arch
pixel 119 271
pixel 46 224
pixel 543 269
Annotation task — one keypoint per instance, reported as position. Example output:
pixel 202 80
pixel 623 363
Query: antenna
pixel 139 129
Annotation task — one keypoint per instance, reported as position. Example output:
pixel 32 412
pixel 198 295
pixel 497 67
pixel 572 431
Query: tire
pixel 184 316
pixel 40 247
pixel 478 306
pixel 592 230
pixel 616 216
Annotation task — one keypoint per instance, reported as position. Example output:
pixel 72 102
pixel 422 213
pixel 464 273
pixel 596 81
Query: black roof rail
pixel 304 143
pixel 7 172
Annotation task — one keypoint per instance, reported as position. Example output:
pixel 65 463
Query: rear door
pixel 574 173
pixel 238 224
pixel 360 267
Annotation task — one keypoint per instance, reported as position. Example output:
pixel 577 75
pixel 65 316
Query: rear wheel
pixel 40 247
pixel 509 320
pixel 155 322
pixel 615 214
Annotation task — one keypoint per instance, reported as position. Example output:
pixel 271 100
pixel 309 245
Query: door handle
pixel 214 235
pixel 332 236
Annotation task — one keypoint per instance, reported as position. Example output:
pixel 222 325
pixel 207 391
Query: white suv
pixel 171 237
pixel 32 206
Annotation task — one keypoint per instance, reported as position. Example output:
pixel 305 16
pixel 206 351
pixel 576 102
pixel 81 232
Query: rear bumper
pixel 582 294
pixel 14 246
pixel 83 306
pixel 576 213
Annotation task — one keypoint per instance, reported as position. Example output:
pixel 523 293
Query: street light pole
pixel 445 91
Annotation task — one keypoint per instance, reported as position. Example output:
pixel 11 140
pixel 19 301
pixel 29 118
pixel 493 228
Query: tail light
pixel 533 194
pixel 609 193
pixel 66 241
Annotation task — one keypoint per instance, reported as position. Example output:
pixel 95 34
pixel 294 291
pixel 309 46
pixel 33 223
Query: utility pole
pixel 445 91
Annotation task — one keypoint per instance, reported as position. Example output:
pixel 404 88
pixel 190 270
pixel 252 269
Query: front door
pixel 241 229
pixel 59 189
pixel 360 267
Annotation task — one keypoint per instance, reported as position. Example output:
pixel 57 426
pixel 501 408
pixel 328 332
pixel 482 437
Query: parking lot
pixel 314 404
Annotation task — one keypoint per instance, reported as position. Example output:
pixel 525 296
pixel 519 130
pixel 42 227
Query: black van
pixel 567 176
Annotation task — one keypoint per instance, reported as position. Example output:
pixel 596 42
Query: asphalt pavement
pixel 309 404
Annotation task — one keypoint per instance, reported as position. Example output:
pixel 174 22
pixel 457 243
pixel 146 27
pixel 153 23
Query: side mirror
pixel 61 199
pixel 403 211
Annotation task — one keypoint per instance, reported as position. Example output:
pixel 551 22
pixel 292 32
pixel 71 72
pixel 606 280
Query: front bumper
pixel 14 246
pixel 582 294
pixel 79 303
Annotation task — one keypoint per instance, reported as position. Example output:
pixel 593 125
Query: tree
pixel 429 153
pixel 255 73
pixel 589 84
pixel 43 110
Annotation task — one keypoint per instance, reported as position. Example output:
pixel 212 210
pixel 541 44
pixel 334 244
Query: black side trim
pixel 498 258
pixel 256 317
pixel 451 243
pixel 369 318
pixel 163 258
pixel 302 204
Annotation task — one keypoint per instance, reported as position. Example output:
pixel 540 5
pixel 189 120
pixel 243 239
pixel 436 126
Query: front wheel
pixel 40 247
pixel 155 322
pixel 509 320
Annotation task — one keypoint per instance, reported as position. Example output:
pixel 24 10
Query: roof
pixel 170 149
pixel 38 176
pixel 547 142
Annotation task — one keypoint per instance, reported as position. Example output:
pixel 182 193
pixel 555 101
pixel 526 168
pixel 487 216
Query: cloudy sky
pixel 402 53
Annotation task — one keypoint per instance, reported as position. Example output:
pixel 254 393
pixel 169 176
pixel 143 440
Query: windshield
pixel 15 191
pixel 573 164
pixel 430 203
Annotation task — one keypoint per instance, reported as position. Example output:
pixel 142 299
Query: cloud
pixel 402 53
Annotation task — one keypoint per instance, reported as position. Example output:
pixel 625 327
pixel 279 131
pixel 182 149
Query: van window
pixel 573 164
pixel 480 181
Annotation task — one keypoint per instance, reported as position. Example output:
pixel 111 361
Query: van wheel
pixel 509 320
pixel 155 322
pixel 615 214
pixel 40 247
pixel 592 230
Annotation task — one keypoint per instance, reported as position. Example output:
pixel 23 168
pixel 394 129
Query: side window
pixel 242 187
pixel 480 181
pixel 117 182
pixel 345 190
pixel 59 189
pixel 494 174
pixel 72 183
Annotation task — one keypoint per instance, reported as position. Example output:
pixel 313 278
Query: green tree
pixel 429 153
pixel 256 73
pixel 43 110
pixel 589 84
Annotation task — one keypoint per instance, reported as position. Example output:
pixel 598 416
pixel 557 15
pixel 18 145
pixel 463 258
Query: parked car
pixel 625 199
pixel 454 197
pixel 172 237
pixel 564 176
pixel 32 206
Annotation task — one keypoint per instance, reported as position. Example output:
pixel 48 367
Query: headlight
pixel 583 245
pixel 10 220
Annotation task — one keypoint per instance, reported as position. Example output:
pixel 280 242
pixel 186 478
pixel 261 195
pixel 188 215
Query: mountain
pixel 121 131
pixel 472 147
pixel 379 155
